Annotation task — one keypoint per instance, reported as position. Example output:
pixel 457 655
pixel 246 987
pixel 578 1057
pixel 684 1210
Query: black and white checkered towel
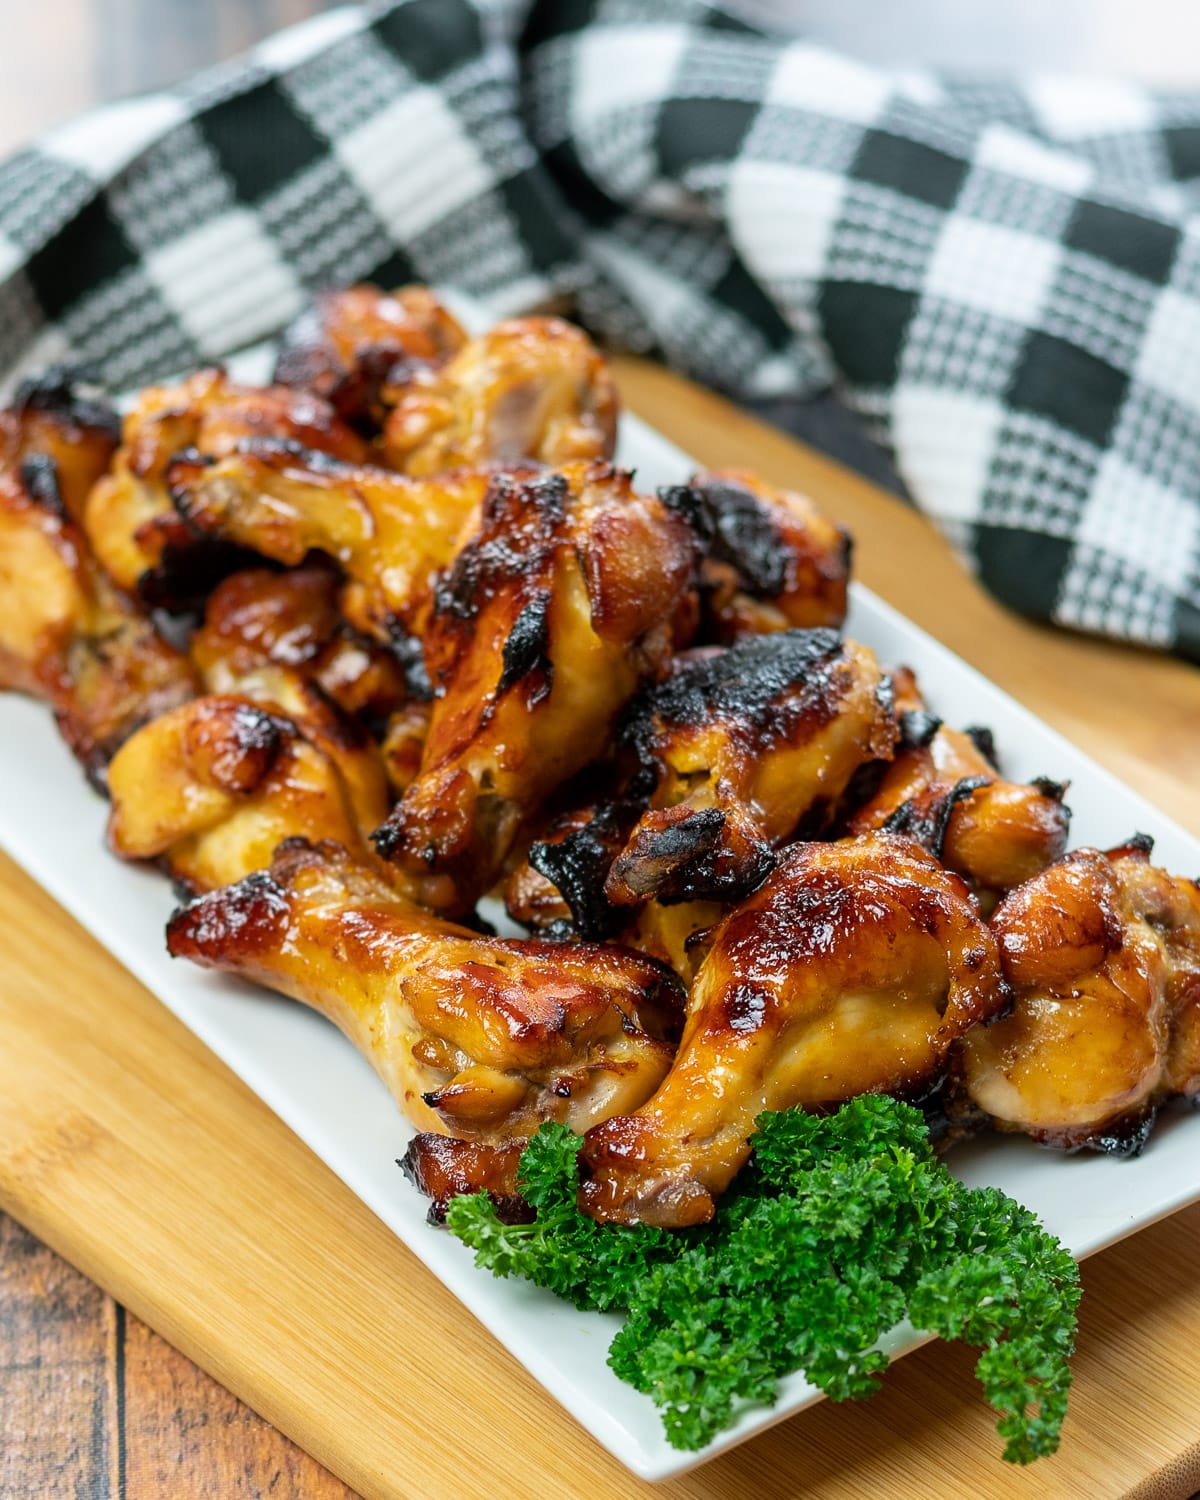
pixel 1004 280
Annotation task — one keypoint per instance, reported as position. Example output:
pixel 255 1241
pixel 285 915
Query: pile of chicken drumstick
pixel 351 651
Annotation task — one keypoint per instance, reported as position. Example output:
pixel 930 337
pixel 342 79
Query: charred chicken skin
pixel 357 347
pixel 66 634
pixel 1103 955
pixel 390 534
pixel 944 791
pixel 480 1038
pixel 851 971
pixel 553 614
pixel 724 760
pixel 531 388
pixel 772 560
pixel 743 745
pixel 130 520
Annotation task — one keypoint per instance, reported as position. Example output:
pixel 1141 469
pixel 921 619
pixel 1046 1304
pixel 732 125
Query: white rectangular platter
pixel 53 825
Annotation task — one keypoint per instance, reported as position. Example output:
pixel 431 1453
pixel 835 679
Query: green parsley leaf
pixel 840 1227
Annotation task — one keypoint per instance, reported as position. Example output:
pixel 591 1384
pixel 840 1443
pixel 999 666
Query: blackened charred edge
pixel 742 681
pixel 687 501
pixel 58 392
pixel 390 834
pixel 691 860
pixel 526 651
pixel 1136 843
pixel 39 479
pixel 917 728
pixel 929 825
pixel 743 534
pixel 511 1208
pixel 578 865
pixel 545 492
pixel 657 852
pixel 1124 1138
pixel 1055 790
pixel 985 742
pixel 410 653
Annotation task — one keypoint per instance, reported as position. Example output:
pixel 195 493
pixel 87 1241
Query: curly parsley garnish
pixel 841 1226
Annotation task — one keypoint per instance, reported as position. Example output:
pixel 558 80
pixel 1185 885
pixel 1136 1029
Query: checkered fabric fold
pixel 1003 279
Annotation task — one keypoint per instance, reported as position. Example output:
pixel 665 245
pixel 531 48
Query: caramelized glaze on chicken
pixel 851 971
pixel 212 788
pixel 64 433
pixel 132 525
pixel 66 634
pixel 742 745
pixel 1103 955
pixel 258 618
pixel 551 617
pixel 531 388
pixel 772 562
pixel 944 791
pixel 356 347
pixel 389 533
pixel 442 1167
pixel 481 1038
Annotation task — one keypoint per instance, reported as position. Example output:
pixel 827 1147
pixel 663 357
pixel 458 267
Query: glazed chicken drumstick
pixel 851 971
pixel 742 745
pixel 269 753
pixel 480 1038
pixel 722 762
pixel 561 605
pixel 1103 955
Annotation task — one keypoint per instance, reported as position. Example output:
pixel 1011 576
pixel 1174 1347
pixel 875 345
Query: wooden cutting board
pixel 129 1148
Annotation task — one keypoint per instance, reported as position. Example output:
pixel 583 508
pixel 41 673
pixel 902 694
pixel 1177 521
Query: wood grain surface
pixel 131 1150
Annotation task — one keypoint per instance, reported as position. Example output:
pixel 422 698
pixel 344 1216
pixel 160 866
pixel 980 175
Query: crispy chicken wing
pixel 851 971
pixel 743 745
pixel 66 634
pixel 943 790
pixel 267 754
pixel 212 788
pixel 772 562
pixel 722 762
pixel 531 388
pixel 552 615
pixel 130 520
pixel 1103 954
pixel 389 533
pixel 259 618
pixel 476 1037
pixel 357 347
